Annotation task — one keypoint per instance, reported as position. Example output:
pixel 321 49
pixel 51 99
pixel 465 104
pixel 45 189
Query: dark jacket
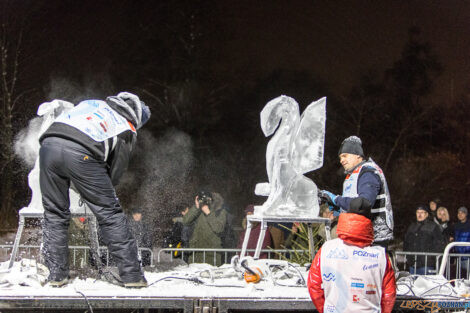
pixel 207 228
pixel 462 233
pixel 253 241
pixel 368 187
pixel 425 236
pixel 446 229
pixel 141 233
pixel 118 158
pixel 368 181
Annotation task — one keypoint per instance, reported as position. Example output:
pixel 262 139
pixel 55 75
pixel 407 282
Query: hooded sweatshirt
pixel 369 289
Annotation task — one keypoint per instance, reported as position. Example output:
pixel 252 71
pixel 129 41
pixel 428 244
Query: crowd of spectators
pixel 205 225
pixel 431 232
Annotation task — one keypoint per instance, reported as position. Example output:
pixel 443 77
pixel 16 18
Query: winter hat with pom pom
pixel 352 145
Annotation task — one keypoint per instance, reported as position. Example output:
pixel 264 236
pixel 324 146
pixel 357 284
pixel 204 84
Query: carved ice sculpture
pixel 295 149
pixel 49 112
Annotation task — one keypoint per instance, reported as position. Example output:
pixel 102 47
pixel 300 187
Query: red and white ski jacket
pixel 349 275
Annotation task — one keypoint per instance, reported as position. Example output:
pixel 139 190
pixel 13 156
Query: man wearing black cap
pixel 423 236
pixel 365 184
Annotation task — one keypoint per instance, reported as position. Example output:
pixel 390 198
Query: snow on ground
pixel 26 279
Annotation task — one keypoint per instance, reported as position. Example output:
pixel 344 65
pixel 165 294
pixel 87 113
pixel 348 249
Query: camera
pixel 204 198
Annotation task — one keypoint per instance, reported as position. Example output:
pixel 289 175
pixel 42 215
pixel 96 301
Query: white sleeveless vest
pixel 96 119
pixel 382 214
pixel 352 277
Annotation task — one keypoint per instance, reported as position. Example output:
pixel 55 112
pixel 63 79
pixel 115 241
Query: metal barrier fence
pixel 210 255
pixel 457 265
pixel 420 263
pixel 78 255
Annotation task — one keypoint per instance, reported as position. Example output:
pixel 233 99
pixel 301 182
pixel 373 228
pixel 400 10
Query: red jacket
pixel 253 241
pixel 355 230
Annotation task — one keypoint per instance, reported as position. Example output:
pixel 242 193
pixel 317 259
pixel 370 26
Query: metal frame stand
pixel 281 219
pixel 39 214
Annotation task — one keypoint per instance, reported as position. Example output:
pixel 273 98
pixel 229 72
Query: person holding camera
pixel 209 218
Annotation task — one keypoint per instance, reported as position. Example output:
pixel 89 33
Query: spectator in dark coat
pixel 141 233
pixel 434 204
pixel 209 219
pixel 254 235
pixel 461 233
pixel 423 236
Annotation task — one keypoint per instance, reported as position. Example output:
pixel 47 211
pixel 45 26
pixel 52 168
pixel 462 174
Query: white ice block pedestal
pixel 28 212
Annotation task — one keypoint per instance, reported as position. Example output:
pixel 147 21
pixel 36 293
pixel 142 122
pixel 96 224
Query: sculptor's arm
pixel 314 283
pixel 389 289
pixel 368 187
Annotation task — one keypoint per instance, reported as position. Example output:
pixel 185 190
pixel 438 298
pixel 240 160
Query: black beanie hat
pixel 352 145
pixel 423 207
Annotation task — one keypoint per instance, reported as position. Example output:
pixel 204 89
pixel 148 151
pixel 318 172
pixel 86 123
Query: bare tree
pixel 9 55
pixel 410 82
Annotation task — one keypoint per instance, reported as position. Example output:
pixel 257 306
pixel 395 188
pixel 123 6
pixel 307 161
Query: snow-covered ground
pixel 26 279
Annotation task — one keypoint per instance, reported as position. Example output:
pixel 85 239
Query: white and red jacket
pixel 350 275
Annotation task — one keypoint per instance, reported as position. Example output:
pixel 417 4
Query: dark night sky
pixel 337 40
pixel 122 44
pixel 340 39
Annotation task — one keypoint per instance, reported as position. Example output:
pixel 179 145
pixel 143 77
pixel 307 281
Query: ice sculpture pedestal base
pixel 282 219
pixel 39 214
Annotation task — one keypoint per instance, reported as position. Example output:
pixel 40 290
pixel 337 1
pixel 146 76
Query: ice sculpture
pixel 295 149
pixel 49 111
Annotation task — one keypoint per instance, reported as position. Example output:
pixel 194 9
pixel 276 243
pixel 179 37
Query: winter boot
pixel 138 284
pixel 58 283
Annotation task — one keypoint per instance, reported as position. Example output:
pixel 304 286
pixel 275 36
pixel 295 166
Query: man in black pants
pixel 90 146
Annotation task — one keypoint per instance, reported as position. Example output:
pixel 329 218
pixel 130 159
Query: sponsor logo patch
pixel 357 285
pixel 337 254
pixel 329 277
pixel 365 254
pixel 369 267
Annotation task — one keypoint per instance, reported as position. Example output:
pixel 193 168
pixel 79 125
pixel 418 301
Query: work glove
pixel 328 196
pixel 336 210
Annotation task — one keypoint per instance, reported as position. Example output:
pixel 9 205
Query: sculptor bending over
pixel 89 147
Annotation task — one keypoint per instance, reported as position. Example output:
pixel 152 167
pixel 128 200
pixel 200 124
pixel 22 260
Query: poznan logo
pixel 365 254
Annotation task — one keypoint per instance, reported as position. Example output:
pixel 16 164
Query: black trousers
pixel 62 162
